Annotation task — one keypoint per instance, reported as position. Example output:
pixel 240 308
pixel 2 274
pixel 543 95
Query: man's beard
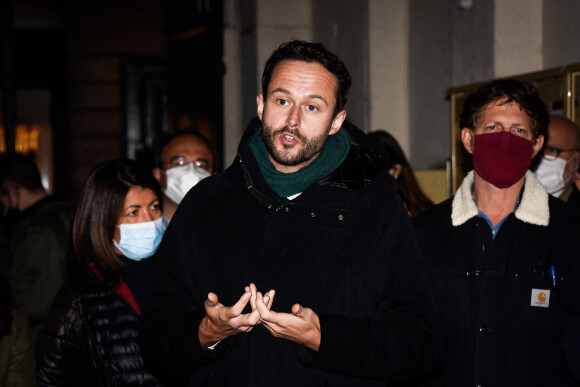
pixel 309 150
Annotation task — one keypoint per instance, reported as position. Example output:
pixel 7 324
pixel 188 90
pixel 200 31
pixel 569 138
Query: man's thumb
pixel 297 310
pixel 212 299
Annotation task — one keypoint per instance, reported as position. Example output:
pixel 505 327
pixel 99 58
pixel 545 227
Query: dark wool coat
pixel 39 265
pixel 91 338
pixel 344 248
pixel 574 198
pixel 489 293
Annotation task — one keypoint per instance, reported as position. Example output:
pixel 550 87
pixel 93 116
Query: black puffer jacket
pixel 91 338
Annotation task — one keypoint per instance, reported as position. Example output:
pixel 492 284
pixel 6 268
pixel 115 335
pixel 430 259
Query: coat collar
pixel 365 162
pixel 533 206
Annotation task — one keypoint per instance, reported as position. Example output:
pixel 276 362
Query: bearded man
pixel 307 245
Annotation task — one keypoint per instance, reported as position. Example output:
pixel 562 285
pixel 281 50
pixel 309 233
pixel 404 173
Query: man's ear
pixel 260 103
pixel 157 173
pixel 538 144
pixel 337 122
pixel 160 176
pixel 467 139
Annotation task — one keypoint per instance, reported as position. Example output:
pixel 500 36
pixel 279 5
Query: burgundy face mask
pixel 501 158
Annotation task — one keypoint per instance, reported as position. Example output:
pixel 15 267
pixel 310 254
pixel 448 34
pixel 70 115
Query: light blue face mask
pixel 140 240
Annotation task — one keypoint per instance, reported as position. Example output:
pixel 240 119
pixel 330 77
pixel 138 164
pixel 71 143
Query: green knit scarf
pixel 333 153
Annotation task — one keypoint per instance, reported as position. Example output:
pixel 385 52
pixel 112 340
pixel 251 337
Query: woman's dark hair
pixel 302 51
pixel 506 91
pixel 414 198
pixel 98 209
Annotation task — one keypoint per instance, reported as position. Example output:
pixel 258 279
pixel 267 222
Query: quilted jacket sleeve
pixel 60 346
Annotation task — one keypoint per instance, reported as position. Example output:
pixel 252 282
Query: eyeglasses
pixel 552 153
pixel 180 161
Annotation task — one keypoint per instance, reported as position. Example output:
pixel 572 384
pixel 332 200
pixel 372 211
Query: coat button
pixel 484 329
pixel 340 217
pixel 312 214
pixel 287 209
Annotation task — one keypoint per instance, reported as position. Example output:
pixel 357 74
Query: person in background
pixel 560 158
pixel 307 215
pixel 185 159
pixel 17 365
pixel 406 183
pixel 574 198
pixel 91 336
pixel 5 254
pixel 502 255
pixel 37 232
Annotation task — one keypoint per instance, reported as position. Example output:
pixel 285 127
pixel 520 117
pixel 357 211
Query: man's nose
pixel 293 119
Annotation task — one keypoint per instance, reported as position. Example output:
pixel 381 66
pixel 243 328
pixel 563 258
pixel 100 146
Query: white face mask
pixel 181 179
pixel 551 173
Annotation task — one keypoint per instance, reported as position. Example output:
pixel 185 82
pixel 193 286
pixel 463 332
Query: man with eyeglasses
pixel 560 158
pixel 186 158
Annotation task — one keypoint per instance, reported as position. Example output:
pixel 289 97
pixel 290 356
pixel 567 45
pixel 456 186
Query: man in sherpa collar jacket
pixel 503 257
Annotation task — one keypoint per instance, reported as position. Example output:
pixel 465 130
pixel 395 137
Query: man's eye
pixel 520 130
pixel 282 102
pixel 178 162
pixel 311 108
pixel 202 164
pixel 491 127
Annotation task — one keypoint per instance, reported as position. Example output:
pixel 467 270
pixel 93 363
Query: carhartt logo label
pixel 540 297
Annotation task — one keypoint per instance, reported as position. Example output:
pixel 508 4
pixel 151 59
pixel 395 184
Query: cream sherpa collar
pixel 533 206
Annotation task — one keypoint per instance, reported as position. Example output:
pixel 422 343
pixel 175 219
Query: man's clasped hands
pixel 301 326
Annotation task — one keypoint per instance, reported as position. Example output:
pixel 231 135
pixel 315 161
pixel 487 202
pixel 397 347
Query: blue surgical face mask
pixel 140 240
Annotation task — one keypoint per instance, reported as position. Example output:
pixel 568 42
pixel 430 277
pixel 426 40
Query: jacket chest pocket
pixel 534 303
pixel 451 291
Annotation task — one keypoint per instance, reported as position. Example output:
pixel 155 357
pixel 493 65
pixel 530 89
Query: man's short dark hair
pixel 302 51
pixel 20 170
pixel 506 91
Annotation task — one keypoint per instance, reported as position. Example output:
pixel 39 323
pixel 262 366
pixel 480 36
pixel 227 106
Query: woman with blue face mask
pixel 91 337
